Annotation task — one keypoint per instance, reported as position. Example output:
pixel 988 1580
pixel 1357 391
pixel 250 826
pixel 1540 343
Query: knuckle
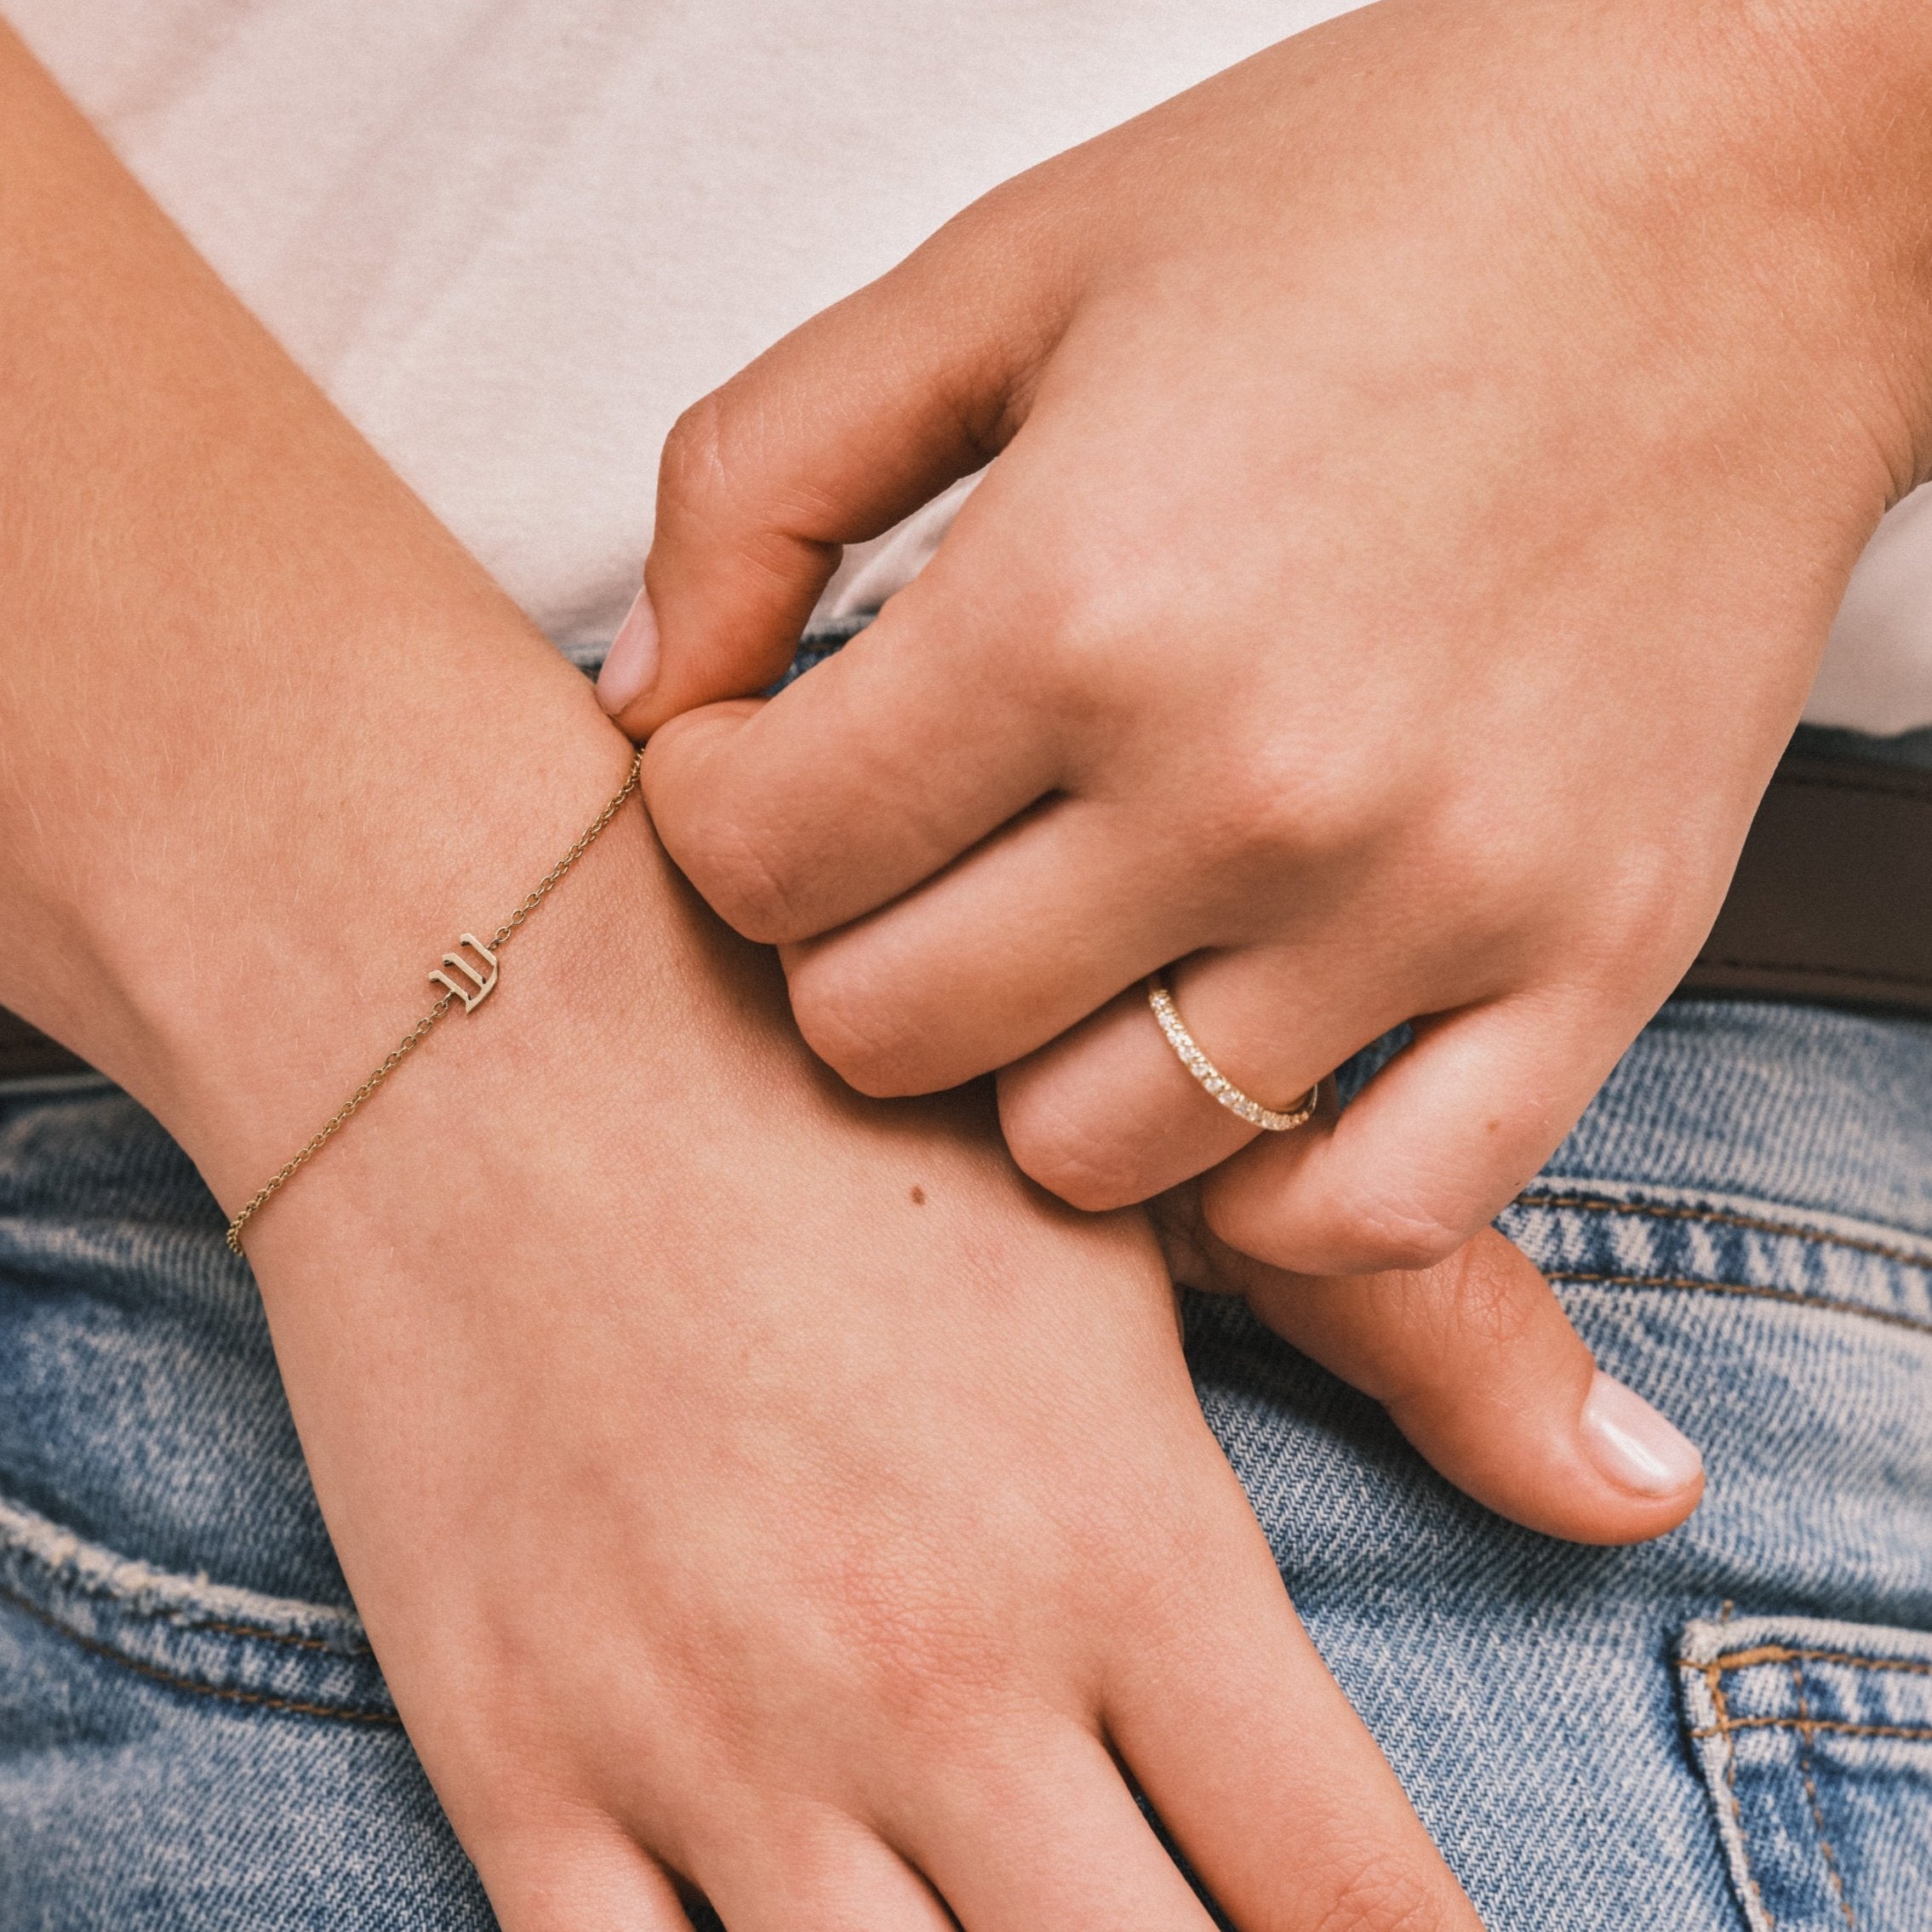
pixel 1355 1229
pixel 726 485
pixel 1384 1894
pixel 1094 646
pixel 1331 797
pixel 1390 1232
pixel 692 467
pixel 1267 808
pixel 1283 804
pixel 933 1680
pixel 1650 907
pixel 855 1027
pixel 1496 1300
pixel 1060 658
pixel 736 876
pixel 1067 1151
pixel 926 1661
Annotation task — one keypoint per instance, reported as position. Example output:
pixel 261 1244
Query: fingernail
pixel 632 662
pixel 1633 1445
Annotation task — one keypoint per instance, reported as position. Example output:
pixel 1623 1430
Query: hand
pixel 803 1508
pixel 1428 459
pixel 748 1482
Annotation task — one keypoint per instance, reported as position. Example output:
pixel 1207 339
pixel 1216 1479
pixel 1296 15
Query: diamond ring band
pixel 1211 1077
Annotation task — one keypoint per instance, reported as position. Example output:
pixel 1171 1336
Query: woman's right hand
pixel 748 1482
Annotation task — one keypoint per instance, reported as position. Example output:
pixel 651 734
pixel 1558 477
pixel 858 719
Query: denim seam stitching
pixel 1838 1727
pixel 1831 1304
pixel 1805 1735
pixel 352 1713
pixel 1756 1224
pixel 1783 1654
pixel 262 1636
pixel 1712 1678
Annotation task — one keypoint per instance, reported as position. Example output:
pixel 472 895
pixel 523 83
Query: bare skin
pixel 743 1483
pixel 1427 459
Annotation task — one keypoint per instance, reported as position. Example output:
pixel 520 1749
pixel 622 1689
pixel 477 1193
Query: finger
pixel 853 783
pixel 1021 939
pixel 1436 1145
pixel 1042 925
pixel 1269 1782
pixel 848 425
pixel 820 1872
pixel 580 1880
pixel 1479 1367
pixel 1109 1113
pixel 1051 1836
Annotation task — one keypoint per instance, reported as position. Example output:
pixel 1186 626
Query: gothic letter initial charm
pixel 481 985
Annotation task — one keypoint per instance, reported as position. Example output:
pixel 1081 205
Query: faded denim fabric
pixel 1730 1728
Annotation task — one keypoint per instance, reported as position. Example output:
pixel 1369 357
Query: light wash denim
pixel 1731 1727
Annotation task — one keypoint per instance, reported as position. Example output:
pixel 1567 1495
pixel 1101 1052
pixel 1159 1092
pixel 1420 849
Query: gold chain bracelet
pixel 475 983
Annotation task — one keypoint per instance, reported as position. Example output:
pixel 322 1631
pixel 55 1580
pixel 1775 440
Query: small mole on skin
pixel 918 1197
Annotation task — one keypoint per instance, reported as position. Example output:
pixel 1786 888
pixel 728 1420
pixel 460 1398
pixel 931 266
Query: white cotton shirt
pixel 513 241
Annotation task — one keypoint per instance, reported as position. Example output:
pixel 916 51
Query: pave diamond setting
pixel 1211 1077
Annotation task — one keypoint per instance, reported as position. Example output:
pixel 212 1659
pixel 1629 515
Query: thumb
pixel 1478 1366
pixel 832 436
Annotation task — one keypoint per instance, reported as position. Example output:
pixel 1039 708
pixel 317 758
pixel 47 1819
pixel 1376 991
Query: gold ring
pixel 1211 1077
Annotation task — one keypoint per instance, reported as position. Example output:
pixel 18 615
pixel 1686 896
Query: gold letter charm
pixel 484 987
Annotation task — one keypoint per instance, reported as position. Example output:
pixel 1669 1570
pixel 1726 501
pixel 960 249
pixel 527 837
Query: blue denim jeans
pixel 1730 1727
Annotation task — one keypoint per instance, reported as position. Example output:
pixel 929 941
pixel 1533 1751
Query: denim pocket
pixel 183 1634
pixel 1815 1740
pixel 176 1751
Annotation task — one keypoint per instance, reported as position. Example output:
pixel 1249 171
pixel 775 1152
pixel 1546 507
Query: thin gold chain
pixel 554 878
pixel 424 1027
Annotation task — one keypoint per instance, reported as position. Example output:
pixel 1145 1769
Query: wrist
pixel 246 952
pixel 332 967
pixel 272 740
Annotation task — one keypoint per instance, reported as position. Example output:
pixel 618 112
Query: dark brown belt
pixel 1833 900
pixel 1832 905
